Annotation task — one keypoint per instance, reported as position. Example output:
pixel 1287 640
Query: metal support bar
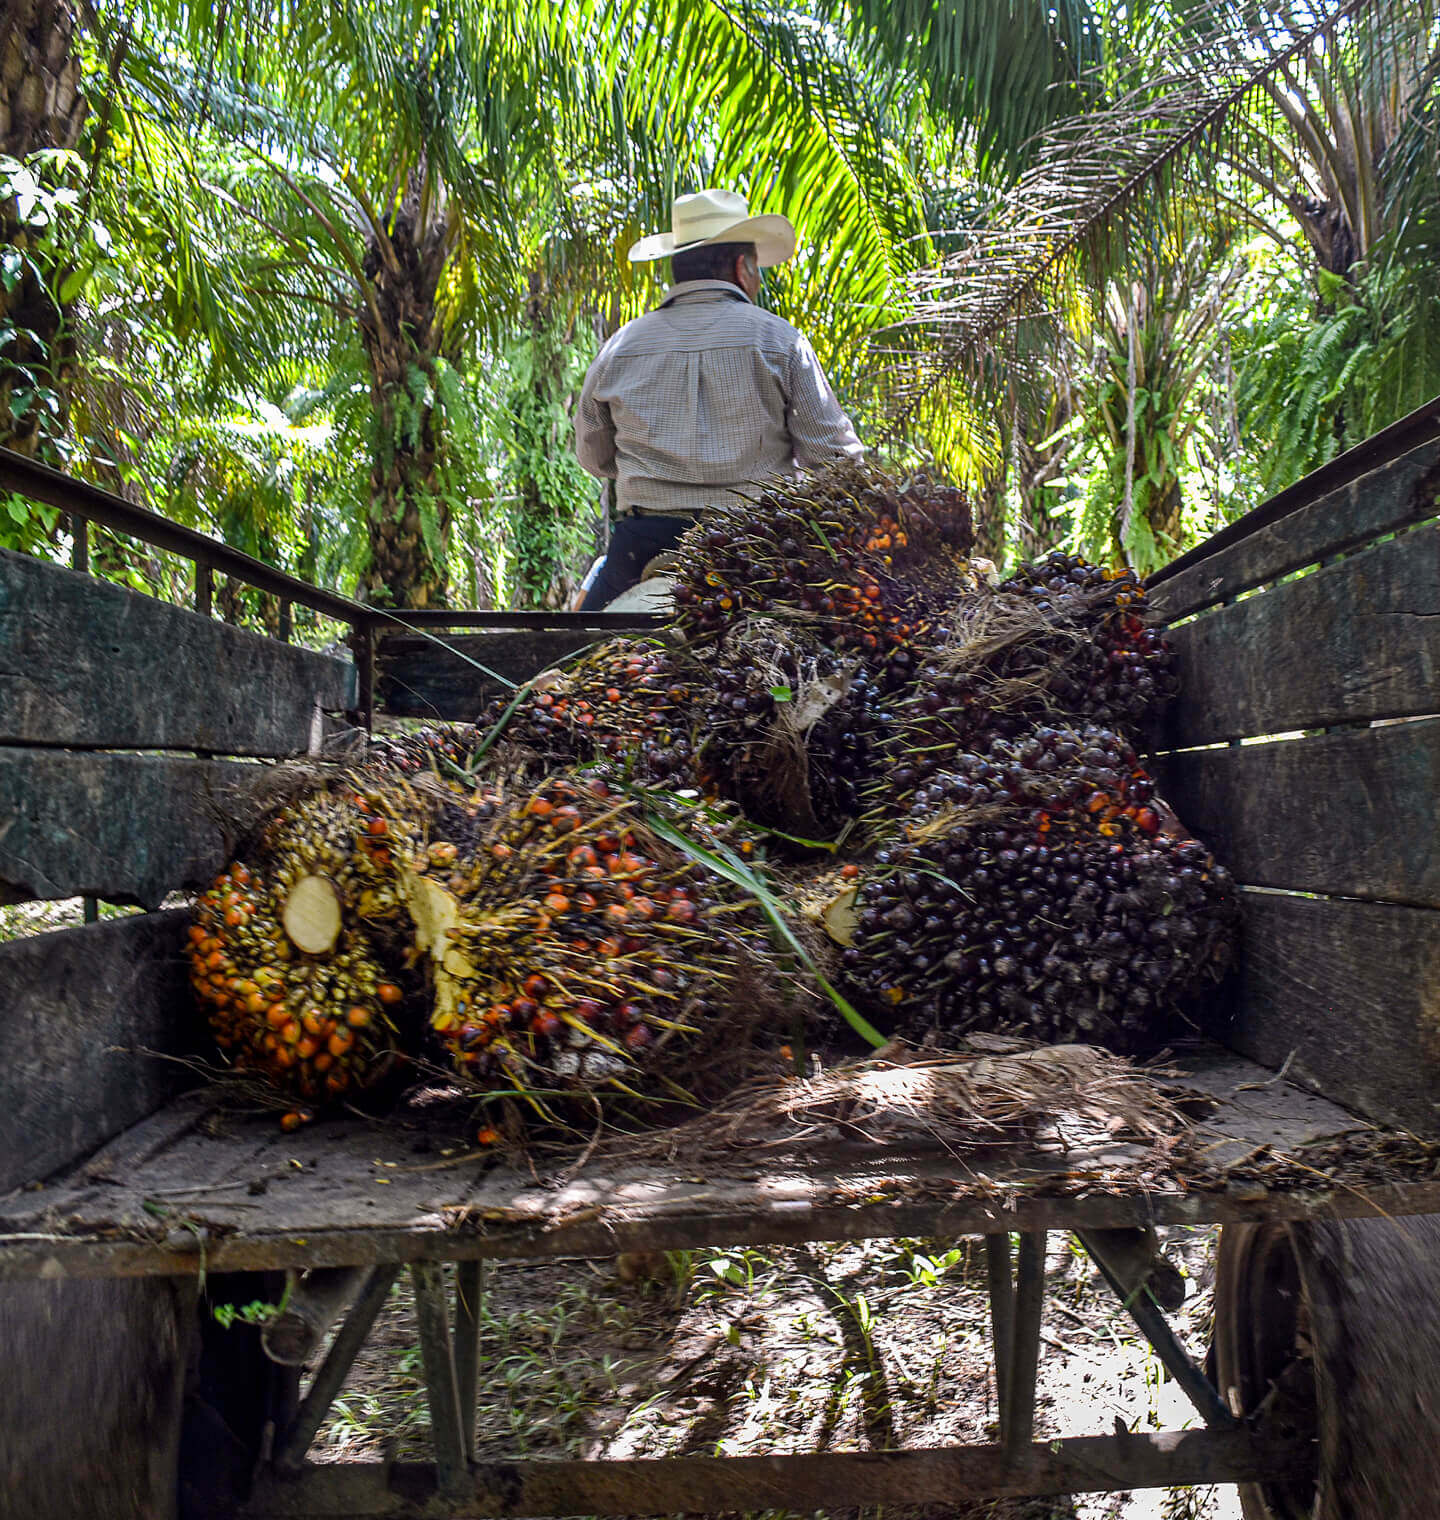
pixel 80 544
pixel 1025 1348
pixel 362 651
pixel 469 1289
pixel 1002 1319
pixel 799 1484
pixel 1152 1324
pixel 90 909
pixel 1134 1256
pixel 291 1448
pixel 287 622
pixel 452 1467
pixel 204 588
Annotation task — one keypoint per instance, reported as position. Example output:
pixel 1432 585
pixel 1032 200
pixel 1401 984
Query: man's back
pixel 706 394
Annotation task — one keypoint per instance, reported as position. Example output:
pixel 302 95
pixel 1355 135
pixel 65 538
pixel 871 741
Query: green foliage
pixel 224 253
pixel 1312 383
pixel 552 501
pixel 256 1312
pixel 51 246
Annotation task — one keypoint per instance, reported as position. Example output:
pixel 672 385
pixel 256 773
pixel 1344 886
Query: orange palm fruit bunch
pixel 283 949
pixel 574 942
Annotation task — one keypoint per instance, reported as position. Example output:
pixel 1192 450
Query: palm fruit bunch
pixel 789 726
pixel 1067 778
pixel 1060 641
pixel 868 563
pixel 572 946
pixel 442 748
pixel 625 700
pixel 287 952
pixel 1122 667
pixel 1036 888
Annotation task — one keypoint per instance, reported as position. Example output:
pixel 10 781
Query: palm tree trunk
pixel 40 101
pixel 409 527
pixel 990 514
pixel 40 107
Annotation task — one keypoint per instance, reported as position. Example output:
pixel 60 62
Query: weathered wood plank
pixel 418 678
pixel 36 1253
pixel 1350 814
pixel 1348 994
pixel 124 828
pixel 805 1483
pixel 1360 639
pixel 88 664
pixel 76 1008
pixel 1397 494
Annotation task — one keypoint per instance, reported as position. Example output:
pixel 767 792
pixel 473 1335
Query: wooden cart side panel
pixel 92 665
pixel 1350 814
pixel 1355 641
pixel 424 678
pixel 1346 996
pixel 78 1010
pixel 123 828
pixel 1399 493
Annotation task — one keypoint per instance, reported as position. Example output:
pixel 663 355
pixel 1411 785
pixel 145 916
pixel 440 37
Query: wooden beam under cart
pixel 707 1485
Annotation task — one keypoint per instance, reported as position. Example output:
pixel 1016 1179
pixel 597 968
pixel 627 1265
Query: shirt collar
pixel 708 290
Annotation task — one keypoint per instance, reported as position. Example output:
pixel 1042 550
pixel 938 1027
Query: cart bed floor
pixel 197 1186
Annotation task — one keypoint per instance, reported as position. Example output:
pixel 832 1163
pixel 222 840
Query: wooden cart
pixel 1307 752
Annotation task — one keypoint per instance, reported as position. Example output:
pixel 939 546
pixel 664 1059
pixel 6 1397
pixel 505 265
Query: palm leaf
pixel 1097 180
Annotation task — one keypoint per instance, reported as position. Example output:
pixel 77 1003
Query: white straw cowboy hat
pixel 718 216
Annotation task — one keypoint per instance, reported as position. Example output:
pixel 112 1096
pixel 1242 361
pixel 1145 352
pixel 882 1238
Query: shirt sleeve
pixel 819 429
pixel 594 429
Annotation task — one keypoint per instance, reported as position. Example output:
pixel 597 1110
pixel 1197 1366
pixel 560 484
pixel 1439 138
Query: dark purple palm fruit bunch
pixel 1123 672
pixel 1037 889
pixel 1060 641
pixel 869 563
pixel 790 727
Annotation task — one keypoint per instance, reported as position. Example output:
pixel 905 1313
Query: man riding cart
pixel 705 395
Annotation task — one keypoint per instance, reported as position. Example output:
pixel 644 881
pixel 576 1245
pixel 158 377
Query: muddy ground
pixel 831 1347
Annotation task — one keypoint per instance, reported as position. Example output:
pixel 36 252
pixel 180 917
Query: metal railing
pixel 85 503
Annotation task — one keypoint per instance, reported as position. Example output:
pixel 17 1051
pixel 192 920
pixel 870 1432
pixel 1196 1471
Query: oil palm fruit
pixel 627 699
pixel 789 726
pixel 571 945
pixel 292 978
pixel 441 748
pixel 1039 887
pixel 1060 642
pixel 1122 668
pixel 868 562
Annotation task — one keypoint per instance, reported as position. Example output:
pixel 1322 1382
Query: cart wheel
pixel 1333 1330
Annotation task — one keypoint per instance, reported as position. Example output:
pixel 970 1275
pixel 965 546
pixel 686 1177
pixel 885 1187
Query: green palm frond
pixel 1003 70
pixel 775 108
pixel 1099 181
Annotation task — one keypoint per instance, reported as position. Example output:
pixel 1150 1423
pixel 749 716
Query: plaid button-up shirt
pixel 705 394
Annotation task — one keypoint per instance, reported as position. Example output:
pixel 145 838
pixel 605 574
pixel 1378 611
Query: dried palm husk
pixel 995 1092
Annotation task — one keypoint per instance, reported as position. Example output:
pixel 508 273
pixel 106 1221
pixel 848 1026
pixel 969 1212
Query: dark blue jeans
pixel 634 542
